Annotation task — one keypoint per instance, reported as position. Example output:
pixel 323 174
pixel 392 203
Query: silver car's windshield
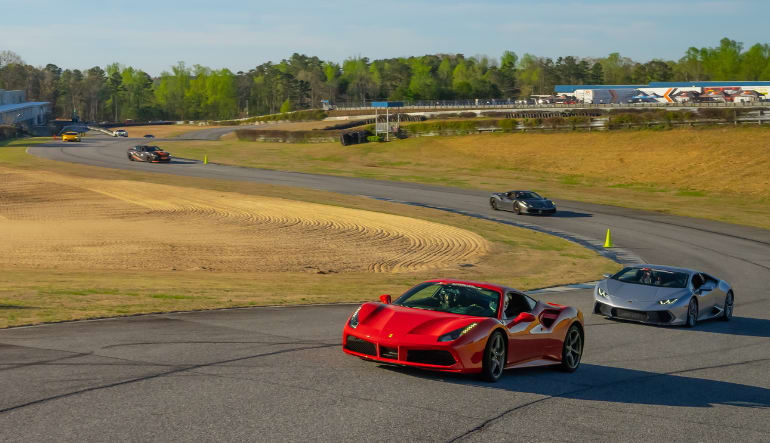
pixel 452 297
pixel 527 195
pixel 652 277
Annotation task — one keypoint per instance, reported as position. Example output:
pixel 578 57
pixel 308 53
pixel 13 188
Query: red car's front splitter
pixel 415 355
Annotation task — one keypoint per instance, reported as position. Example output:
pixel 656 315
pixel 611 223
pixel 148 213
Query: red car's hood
pixel 400 321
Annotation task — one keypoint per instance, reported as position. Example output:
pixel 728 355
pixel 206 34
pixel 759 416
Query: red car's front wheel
pixel 494 358
pixel 572 349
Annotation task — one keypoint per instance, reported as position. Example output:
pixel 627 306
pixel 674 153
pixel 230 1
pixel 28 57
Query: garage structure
pixel 16 111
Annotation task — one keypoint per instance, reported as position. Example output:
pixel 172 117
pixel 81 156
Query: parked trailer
pixel 671 95
pixel 606 96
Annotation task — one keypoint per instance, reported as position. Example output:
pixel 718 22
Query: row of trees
pixel 122 92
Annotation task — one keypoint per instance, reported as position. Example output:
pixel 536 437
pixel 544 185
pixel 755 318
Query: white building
pixel 15 111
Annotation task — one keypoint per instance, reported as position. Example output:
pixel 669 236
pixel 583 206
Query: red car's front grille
pixel 356 344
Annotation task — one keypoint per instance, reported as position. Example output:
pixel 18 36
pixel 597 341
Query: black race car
pixel 144 153
pixel 522 202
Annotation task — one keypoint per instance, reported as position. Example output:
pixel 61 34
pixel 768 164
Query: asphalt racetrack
pixel 279 374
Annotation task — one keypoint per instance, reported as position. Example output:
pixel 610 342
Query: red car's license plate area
pixel 386 352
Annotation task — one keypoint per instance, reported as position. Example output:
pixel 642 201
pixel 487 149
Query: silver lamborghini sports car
pixel 663 295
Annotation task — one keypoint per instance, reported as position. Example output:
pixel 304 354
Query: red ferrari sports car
pixel 465 327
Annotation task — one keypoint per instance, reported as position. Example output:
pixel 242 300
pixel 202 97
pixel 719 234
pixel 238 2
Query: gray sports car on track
pixel 522 202
pixel 663 295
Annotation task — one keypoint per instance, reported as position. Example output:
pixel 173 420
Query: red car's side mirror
pixel 524 317
pixel 385 298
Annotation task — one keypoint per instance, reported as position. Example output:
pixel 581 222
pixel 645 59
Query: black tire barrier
pixel 354 138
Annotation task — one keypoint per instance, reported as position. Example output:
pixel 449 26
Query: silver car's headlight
pixel 354 319
pixel 603 293
pixel 668 301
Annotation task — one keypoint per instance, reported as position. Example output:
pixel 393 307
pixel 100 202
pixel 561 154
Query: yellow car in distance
pixel 70 136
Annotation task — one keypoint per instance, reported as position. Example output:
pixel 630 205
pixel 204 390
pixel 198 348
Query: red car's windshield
pixel 456 298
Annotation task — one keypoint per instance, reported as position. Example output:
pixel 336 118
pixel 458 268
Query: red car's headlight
pixel 354 319
pixel 457 333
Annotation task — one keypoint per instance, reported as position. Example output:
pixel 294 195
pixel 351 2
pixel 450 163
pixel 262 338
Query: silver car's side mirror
pixel 606 275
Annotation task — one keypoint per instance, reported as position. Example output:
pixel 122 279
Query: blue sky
pixel 153 35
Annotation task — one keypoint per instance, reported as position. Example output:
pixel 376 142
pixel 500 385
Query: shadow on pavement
pixel 618 385
pixel 173 161
pixel 752 327
pixel 183 161
pixel 571 214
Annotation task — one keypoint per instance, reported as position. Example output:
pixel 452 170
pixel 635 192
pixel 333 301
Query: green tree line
pixel 118 92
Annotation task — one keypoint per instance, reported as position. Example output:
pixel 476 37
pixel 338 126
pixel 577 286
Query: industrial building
pixel 15 111
pixel 670 92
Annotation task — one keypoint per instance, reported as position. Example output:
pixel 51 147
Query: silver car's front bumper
pixel 538 211
pixel 674 315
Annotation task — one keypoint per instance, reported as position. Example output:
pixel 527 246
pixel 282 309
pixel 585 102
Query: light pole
pixel 15 124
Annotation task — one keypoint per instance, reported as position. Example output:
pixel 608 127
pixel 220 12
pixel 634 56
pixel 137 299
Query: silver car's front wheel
pixel 692 313
pixel 727 309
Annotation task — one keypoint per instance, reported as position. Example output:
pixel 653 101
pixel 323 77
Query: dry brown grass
pixel 711 173
pixel 294 126
pixel 76 242
pixel 60 222
pixel 160 131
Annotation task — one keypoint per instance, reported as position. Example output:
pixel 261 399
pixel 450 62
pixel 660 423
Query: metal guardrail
pixel 98 129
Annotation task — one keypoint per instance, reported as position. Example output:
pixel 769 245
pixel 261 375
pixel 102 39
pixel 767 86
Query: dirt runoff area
pixel 59 222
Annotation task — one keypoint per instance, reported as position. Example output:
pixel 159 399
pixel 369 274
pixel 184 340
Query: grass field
pixel 75 243
pixel 295 126
pixel 27 141
pixel 160 131
pixel 714 173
